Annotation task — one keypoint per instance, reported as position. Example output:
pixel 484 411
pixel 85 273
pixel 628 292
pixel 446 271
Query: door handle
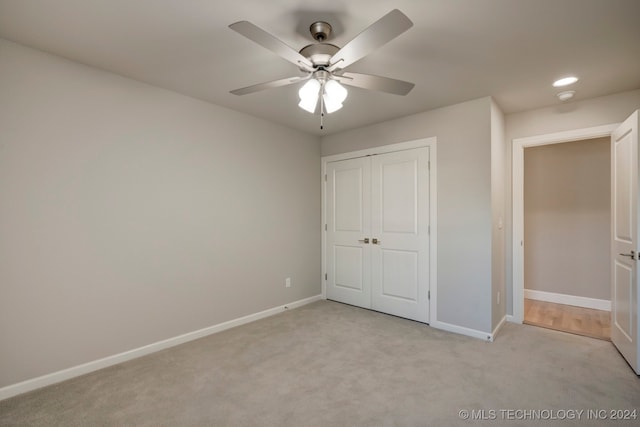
pixel 375 241
pixel 365 240
pixel 632 255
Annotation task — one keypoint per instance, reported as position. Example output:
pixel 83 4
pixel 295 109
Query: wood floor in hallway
pixel 568 318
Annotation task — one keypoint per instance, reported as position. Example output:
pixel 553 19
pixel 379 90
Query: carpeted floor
pixel 329 364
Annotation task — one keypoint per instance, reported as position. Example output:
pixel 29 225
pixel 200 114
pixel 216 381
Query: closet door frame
pixel 426 142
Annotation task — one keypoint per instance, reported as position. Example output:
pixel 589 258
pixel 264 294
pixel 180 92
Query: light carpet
pixel 330 364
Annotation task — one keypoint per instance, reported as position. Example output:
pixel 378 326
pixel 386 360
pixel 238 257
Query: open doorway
pixel 519 146
pixel 567 217
pixel 625 226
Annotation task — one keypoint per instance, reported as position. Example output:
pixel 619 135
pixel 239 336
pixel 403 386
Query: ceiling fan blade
pixel 268 41
pixel 377 34
pixel 381 84
pixel 268 85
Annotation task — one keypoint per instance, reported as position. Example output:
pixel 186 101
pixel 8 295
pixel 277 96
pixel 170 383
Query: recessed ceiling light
pixel 566 81
pixel 566 95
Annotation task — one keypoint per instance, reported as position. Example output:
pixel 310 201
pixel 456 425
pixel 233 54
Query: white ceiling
pixel 457 50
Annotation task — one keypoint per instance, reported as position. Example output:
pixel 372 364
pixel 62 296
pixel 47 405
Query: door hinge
pixel 429 165
pixel 325 176
pixel 428 295
pixel 325 276
pixel 325 227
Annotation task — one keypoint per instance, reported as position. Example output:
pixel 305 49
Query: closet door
pixel 377 238
pixel 348 207
pixel 400 233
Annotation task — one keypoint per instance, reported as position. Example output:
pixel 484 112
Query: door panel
pixel 348 199
pixel 345 258
pixel 623 159
pixel 400 220
pixel 624 247
pixel 348 206
pixel 399 189
pixel 400 274
pixel 623 285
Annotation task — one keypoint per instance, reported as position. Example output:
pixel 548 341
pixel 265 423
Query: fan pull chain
pixel 322 106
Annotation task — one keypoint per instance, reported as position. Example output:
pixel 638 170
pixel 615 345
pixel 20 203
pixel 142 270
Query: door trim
pixel 431 143
pixel 517 207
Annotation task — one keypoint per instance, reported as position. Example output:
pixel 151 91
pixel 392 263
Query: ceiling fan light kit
pixel 334 95
pixel 320 83
pixel 308 94
pixel 325 63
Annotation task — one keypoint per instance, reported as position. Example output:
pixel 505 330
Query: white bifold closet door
pixel 378 232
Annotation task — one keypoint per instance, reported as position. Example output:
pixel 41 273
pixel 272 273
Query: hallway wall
pixel 567 218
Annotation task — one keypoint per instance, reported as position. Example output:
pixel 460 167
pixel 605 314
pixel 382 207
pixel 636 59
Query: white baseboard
pixel 498 326
pixel 75 371
pixel 462 330
pixel 598 304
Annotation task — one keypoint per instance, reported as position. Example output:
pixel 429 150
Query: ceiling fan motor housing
pixel 319 53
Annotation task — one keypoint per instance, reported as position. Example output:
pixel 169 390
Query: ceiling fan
pixel 324 64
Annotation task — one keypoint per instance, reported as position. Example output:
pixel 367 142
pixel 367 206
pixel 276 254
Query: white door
pixel 624 247
pixel 377 237
pixel 400 234
pixel 348 207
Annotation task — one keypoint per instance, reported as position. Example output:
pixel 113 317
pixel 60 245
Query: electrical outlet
pixel 287 282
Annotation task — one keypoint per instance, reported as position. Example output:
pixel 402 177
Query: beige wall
pixel 567 218
pixel 561 117
pixel 464 180
pixel 130 214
